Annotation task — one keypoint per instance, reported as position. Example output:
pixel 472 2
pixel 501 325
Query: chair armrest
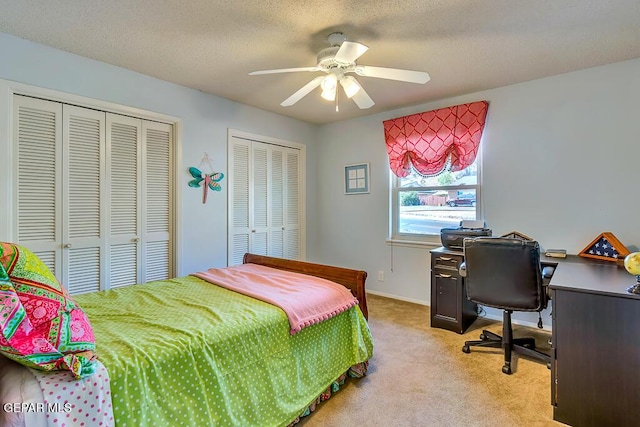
pixel 462 270
pixel 547 272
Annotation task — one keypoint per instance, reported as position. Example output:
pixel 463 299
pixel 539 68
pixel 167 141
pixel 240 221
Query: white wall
pixel 205 120
pixel 561 163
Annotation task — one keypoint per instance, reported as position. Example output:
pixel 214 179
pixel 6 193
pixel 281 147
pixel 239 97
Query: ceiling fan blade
pixel 304 90
pixel 393 74
pixel 349 52
pixel 362 98
pixel 284 70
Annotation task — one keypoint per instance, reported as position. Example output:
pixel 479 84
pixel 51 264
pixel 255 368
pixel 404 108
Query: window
pixel 421 206
pixel 433 160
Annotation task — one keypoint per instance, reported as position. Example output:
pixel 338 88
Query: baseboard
pixel 516 322
pixel 486 316
pixel 392 296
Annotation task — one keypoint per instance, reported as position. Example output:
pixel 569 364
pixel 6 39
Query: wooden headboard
pixel 352 279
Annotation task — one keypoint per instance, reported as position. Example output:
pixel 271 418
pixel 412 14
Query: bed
pixel 186 352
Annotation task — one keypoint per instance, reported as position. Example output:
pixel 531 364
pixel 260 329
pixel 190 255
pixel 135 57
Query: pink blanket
pixel 305 299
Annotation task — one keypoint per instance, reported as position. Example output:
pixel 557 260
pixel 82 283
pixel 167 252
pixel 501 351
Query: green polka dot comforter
pixel 184 352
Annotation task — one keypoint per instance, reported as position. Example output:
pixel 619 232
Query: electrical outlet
pixel 380 276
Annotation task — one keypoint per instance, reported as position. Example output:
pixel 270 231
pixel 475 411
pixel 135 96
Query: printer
pixel 453 238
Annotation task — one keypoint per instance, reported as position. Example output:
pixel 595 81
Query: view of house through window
pixel 424 205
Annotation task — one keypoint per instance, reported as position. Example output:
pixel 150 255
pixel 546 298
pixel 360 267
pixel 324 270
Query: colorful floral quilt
pixel 41 326
pixel 187 352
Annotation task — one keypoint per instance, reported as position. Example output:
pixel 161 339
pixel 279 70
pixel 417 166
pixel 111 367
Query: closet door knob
pixel 66 246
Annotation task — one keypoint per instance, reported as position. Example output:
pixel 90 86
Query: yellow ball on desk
pixel 632 263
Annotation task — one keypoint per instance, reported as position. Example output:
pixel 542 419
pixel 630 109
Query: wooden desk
pixel 595 371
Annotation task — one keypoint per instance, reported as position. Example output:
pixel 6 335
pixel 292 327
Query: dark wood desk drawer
pixel 446 261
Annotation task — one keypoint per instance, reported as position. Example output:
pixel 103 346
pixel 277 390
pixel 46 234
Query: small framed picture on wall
pixel 356 178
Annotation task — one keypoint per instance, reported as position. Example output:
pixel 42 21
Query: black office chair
pixel 505 273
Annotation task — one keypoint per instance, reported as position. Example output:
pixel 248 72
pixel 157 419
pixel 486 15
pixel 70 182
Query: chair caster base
pixel 506 369
pixel 466 349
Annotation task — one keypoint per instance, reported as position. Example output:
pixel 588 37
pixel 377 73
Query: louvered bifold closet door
pixel 37 136
pixel 84 199
pixel 276 202
pixel 238 217
pixel 157 213
pixel 259 196
pixel 264 199
pixel 292 205
pixel 124 176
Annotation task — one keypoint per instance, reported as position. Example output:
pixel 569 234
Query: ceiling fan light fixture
pixel 329 94
pixel 329 83
pixel 350 86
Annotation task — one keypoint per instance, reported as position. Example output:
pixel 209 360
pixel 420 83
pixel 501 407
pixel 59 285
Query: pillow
pixel 42 327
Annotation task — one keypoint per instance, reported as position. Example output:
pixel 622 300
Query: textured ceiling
pixel 212 45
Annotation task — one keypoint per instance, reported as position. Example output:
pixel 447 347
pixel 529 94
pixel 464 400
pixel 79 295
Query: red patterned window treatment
pixel 427 140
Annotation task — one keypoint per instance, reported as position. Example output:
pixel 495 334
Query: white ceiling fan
pixel 339 60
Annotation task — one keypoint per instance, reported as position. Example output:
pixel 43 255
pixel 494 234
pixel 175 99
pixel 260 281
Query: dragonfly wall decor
pixel 205 180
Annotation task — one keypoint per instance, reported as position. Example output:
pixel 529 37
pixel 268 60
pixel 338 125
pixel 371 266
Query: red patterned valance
pixel 427 140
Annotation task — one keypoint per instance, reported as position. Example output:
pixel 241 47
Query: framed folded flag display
pixel 605 247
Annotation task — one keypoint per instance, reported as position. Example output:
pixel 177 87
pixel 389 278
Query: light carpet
pixel 419 376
